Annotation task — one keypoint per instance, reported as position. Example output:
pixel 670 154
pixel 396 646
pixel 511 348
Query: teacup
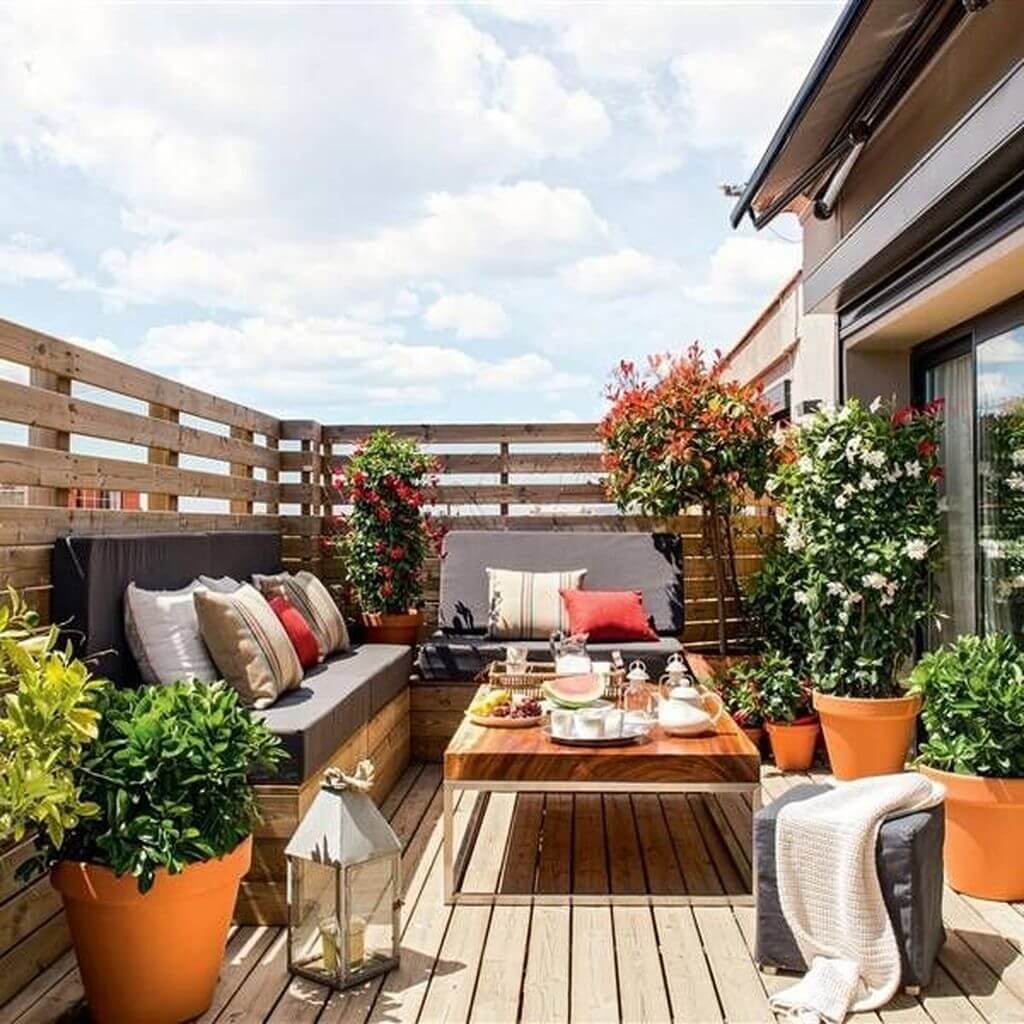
pixel 590 724
pixel 562 722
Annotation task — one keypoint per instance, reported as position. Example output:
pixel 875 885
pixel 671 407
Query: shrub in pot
pixel 679 435
pixel 150 881
pixel 785 701
pixel 737 686
pixel 385 538
pixel 860 511
pixel 973 692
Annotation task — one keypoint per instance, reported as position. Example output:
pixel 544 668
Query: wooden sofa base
pixel 437 708
pixel 385 740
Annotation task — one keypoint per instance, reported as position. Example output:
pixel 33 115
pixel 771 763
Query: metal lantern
pixel 344 885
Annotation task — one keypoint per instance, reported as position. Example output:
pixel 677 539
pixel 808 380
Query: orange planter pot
pixel 864 736
pixel 793 745
pixel 755 736
pixel 984 835
pixel 151 958
pixel 398 628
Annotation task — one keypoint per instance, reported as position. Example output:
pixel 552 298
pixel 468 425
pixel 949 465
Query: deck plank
pixel 501 967
pixel 659 858
pixel 625 862
pixel 546 982
pixel 520 867
pixel 453 980
pixel 691 988
pixel 15 1008
pixel 594 994
pixel 694 859
pixel 589 856
pixel 642 994
pixel 554 862
pixel 739 985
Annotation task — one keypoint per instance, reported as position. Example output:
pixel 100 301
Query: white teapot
pixel 688 710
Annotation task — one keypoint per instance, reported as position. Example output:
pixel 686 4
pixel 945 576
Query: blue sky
pixel 357 213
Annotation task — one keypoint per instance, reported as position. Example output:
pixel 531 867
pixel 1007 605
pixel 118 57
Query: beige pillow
pixel 528 605
pixel 314 603
pixel 248 644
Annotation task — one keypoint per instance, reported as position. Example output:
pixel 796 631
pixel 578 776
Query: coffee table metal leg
pixel 448 853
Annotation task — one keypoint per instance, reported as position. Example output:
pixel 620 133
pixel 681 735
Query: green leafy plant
pixel 48 719
pixel 168 772
pixel 385 538
pixel 738 688
pixel 973 691
pixel 771 605
pixel 860 514
pixel 784 696
pixel 679 434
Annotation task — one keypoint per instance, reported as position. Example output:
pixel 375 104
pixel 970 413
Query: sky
pixel 393 213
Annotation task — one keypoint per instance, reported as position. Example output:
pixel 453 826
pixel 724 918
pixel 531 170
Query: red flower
pixel 383 514
pixel 901 417
pixel 398 552
pixel 387 588
pixel 926 449
pixel 936 473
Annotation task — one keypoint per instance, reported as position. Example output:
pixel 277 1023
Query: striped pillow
pixel 314 603
pixel 248 644
pixel 528 605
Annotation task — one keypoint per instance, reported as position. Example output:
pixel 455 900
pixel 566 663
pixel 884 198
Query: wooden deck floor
pixel 584 964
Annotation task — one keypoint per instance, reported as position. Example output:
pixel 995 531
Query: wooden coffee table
pixel 524 761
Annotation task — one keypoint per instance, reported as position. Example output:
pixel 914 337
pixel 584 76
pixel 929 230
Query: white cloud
pixel 25 258
pixel 469 315
pixel 525 228
pixel 326 360
pixel 1007 348
pixel 625 272
pixel 744 268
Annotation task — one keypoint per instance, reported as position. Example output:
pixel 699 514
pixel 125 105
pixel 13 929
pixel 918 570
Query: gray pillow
pixel 220 584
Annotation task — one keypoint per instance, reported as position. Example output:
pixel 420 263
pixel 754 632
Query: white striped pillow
pixel 528 605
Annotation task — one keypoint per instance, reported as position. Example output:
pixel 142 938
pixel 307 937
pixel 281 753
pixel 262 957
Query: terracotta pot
pixel 793 744
pixel 755 735
pixel 151 958
pixel 392 628
pixel 984 835
pixel 867 736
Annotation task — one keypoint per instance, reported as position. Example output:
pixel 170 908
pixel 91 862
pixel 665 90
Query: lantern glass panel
pixel 371 891
pixel 315 917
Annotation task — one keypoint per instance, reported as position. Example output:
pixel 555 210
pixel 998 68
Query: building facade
pixel 903 153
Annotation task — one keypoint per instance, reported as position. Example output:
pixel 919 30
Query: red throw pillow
pixel 297 629
pixel 608 615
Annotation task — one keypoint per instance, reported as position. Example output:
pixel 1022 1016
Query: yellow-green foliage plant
pixel 47 720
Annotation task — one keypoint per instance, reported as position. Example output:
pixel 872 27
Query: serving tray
pixel 629 735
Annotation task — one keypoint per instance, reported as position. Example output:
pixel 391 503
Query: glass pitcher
pixel 569 653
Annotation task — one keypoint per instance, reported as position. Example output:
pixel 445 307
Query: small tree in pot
pixel 385 538
pixel 678 435
pixel 860 512
pixel 973 692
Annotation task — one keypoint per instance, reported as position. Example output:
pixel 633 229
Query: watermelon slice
pixel 574 691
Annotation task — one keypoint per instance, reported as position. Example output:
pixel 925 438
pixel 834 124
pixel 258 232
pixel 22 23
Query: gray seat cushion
pixel 648 562
pixel 909 860
pixel 334 700
pixel 456 658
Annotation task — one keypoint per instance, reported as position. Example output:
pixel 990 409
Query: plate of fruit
pixel 499 709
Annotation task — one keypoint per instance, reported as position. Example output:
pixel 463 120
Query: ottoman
pixel 909 859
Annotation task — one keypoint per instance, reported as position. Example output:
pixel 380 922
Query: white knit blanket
pixel 831 897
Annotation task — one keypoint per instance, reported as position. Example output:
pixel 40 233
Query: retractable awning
pixel 872 54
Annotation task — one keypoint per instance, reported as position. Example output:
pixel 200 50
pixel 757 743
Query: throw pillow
pixel 220 584
pixel 163 635
pixel 248 643
pixel 528 605
pixel 608 615
pixel 301 636
pixel 314 603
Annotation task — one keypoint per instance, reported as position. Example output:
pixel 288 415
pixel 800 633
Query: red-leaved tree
pixel 678 435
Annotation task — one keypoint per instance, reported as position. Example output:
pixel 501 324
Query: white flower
pixel 853 447
pixel 1016 482
pixel 835 589
pixel 876 404
pixel 868 482
pixel 844 413
pixel 806 464
pixel 842 501
pixel 874 580
pixel 1018 457
pixel 894 474
pixel 825 448
pixel 886 600
pixel 794 539
pixel 912 469
pixel 916 549
pixel 873 457
pixel 781 516
pixel 854 597
pixel 800 596
pixel 772 484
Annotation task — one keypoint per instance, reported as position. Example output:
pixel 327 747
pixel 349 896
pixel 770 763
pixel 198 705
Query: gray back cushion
pixel 648 562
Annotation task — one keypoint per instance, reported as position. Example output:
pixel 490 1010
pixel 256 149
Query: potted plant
pixel 860 511
pixel 678 435
pixel 385 538
pixel 149 881
pixel 737 686
pixel 785 701
pixel 973 692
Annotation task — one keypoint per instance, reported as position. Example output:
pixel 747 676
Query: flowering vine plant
pixel 860 512
pixel 679 434
pixel 1003 498
pixel 386 535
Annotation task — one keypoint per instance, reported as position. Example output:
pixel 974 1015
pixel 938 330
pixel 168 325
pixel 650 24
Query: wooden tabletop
pixel 527 755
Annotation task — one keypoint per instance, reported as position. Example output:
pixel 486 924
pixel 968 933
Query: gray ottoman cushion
pixel 909 858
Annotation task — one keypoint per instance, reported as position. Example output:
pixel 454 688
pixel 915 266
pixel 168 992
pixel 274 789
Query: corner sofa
pixel 451 658
pixel 353 705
